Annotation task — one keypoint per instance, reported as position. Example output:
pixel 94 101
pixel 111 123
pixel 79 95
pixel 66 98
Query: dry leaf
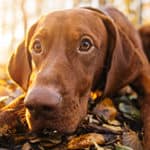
pixel 113 128
pixel 96 94
pixel 122 147
pixel 129 111
pixel 27 146
pixel 106 109
pixel 131 139
pixel 4 91
pixel 86 140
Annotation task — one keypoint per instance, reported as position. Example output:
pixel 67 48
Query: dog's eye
pixel 85 45
pixel 37 46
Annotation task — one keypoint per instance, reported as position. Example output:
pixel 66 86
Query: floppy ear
pixel 125 64
pixel 144 32
pixel 19 66
pixel 128 58
pixel 124 57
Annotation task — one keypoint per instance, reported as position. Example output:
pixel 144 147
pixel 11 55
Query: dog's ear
pixel 19 67
pixel 124 57
pixel 144 32
pixel 125 65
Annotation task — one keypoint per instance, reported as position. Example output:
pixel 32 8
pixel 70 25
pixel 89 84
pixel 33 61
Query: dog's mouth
pixel 39 121
pixel 62 125
pixel 63 119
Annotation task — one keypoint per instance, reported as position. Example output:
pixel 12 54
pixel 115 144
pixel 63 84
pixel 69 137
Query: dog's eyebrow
pixel 42 32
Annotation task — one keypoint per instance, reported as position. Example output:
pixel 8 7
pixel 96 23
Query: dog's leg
pixel 142 85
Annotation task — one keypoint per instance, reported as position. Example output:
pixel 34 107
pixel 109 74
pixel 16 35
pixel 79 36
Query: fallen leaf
pixel 98 147
pixel 95 95
pixel 131 139
pixel 122 147
pixel 27 146
pixel 106 109
pixel 129 111
pixel 4 129
pixel 4 91
pixel 113 128
pixel 86 140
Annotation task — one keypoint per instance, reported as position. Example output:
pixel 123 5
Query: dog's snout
pixel 42 99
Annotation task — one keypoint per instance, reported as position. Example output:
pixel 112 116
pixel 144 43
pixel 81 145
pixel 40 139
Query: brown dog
pixel 144 32
pixel 74 51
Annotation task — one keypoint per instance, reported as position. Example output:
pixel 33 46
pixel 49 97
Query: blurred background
pixel 18 15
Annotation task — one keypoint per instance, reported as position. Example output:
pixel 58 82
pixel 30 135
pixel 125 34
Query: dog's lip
pixel 37 126
pixel 46 132
pixel 43 116
pixel 52 120
pixel 40 124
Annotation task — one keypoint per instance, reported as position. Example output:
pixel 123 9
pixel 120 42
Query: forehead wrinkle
pixel 76 31
pixel 68 17
pixel 40 32
pixel 73 23
pixel 82 23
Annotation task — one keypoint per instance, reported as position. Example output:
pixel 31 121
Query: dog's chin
pixel 64 120
pixel 60 125
pixel 38 126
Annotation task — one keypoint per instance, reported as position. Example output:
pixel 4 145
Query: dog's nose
pixel 42 99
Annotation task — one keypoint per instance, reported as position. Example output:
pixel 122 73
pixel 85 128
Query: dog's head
pixel 72 51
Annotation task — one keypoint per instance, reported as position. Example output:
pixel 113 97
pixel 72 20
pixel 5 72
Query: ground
pixel 111 124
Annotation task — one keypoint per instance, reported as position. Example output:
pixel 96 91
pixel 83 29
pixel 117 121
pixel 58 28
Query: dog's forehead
pixel 79 21
pixel 71 14
pixel 70 17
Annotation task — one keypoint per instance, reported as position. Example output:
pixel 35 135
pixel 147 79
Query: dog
pixel 144 32
pixel 74 52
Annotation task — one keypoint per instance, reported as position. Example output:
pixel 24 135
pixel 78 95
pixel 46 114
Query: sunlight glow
pixel 30 6
pixel 5 41
pixel 12 25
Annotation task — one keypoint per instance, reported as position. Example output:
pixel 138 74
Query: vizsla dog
pixel 73 52
pixel 144 32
